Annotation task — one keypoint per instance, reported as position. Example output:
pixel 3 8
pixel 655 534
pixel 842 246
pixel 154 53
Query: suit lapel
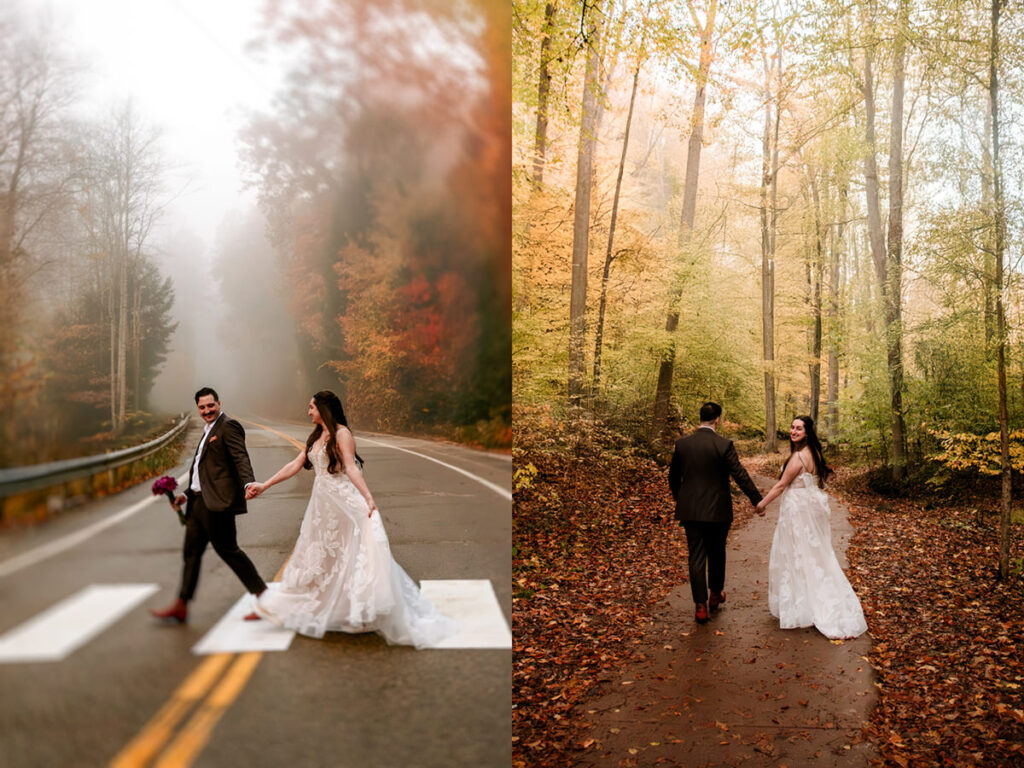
pixel 214 430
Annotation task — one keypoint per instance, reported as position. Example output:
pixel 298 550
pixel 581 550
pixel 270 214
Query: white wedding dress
pixel 806 585
pixel 341 576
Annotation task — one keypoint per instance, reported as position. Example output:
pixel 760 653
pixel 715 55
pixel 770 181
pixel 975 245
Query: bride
pixel 341 576
pixel 806 585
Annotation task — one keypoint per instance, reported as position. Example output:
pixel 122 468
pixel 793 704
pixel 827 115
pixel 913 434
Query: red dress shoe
pixel 716 599
pixel 701 614
pixel 174 613
pixel 255 616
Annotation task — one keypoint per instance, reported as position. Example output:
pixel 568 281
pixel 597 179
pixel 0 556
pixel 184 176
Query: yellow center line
pixel 183 751
pixel 195 734
pixel 157 731
pixel 290 439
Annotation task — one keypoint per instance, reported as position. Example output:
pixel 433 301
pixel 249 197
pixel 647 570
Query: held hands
pixel 761 507
pixel 253 490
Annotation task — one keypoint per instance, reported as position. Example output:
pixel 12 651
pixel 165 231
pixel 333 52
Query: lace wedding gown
pixel 806 585
pixel 341 576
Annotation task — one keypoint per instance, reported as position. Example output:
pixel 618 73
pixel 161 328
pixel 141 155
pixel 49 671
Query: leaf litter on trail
pixel 947 633
pixel 595 553
pixel 593 557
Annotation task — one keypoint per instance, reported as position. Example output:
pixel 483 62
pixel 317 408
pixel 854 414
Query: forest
pixel 383 174
pixel 808 208
pixel 85 307
pixel 790 208
pixel 375 260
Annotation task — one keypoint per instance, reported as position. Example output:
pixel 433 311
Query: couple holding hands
pixel 341 576
pixel 806 585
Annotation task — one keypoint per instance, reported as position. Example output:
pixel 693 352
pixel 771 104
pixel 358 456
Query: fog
pixel 266 198
pixel 183 64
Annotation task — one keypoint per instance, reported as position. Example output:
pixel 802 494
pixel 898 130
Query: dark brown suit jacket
pixel 224 468
pixel 699 478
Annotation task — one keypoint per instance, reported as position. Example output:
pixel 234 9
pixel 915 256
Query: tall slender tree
pixel 892 287
pixel 999 241
pixel 543 90
pixel 666 367
pixel 609 255
pixel 581 221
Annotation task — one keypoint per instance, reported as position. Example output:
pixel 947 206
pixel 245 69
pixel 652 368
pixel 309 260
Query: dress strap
pixel 800 455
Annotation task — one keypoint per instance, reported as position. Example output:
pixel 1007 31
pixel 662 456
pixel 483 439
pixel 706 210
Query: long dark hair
pixel 333 416
pixel 812 442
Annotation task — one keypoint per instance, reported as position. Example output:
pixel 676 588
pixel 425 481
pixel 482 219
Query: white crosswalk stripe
pixel 66 626
pixel 473 604
pixel 233 634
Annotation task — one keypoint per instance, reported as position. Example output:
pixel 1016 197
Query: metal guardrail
pixel 17 480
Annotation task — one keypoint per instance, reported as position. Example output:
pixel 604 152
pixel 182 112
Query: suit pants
pixel 706 544
pixel 204 527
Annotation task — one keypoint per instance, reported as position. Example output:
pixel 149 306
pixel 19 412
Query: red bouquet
pixel 166 486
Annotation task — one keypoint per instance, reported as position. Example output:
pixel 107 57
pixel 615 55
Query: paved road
pixel 347 700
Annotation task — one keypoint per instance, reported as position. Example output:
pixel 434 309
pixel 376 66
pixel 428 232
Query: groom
pixel 215 493
pixel 699 478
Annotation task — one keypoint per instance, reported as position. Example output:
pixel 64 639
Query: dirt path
pixel 737 690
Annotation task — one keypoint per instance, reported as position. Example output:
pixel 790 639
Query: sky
pixel 183 63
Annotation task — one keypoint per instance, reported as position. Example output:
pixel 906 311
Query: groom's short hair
pixel 211 391
pixel 710 412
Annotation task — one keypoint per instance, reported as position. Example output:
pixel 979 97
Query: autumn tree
pixel 122 179
pixel 35 91
pixel 384 185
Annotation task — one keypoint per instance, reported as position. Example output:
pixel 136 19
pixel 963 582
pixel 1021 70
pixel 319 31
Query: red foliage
pixel 387 179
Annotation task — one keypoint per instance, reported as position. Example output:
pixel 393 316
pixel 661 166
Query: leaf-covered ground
pixel 593 556
pixel 595 553
pixel 948 635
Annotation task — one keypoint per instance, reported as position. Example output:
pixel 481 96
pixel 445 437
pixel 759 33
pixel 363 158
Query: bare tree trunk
pixel 887 283
pixel 663 392
pixel 832 413
pixel 543 89
pixel 608 256
pixel 769 214
pixel 581 224
pixel 135 349
pixel 10 299
pixel 875 238
pixel 892 290
pixel 1005 514
pixel 988 199
pixel 122 345
pixel 767 276
pixel 814 300
pixel 112 316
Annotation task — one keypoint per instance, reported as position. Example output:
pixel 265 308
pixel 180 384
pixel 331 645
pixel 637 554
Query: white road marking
pixel 55 547
pixel 473 604
pixel 233 634
pixel 66 626
pixel 503 492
